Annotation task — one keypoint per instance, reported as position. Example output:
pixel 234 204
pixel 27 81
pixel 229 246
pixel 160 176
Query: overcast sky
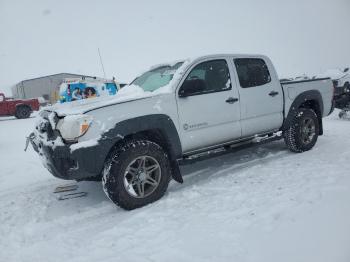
pixel 46 37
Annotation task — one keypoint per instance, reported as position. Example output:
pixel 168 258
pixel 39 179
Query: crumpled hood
pixel 127 94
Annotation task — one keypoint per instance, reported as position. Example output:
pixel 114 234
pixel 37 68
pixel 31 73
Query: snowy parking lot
pixel 258 204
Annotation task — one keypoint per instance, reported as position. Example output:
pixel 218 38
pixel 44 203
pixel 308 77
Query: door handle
pixel 273 93
pixel 231 100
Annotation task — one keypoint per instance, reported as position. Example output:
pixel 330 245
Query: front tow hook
pixel 30 139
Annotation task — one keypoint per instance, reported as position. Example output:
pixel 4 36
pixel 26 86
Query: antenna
pixel 103 68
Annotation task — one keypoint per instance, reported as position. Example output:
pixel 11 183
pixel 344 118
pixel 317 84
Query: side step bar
pixel 230 148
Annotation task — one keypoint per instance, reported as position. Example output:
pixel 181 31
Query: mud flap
pixel 176 173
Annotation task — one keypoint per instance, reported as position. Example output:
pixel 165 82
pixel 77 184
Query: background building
pixel 45 86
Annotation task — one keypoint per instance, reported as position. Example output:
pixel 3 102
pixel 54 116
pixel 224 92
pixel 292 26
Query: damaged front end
pixel 56 153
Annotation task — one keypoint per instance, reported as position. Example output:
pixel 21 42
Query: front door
pixel 208 106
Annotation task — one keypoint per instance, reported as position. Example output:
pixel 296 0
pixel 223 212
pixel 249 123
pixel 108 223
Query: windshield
pixel 157 77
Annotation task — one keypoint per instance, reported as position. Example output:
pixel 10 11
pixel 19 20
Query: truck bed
pixel 292 89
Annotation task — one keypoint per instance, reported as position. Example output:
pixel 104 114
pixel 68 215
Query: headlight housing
pixel 74 126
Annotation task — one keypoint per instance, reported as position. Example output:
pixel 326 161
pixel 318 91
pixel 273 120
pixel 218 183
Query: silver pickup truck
pixel 135 141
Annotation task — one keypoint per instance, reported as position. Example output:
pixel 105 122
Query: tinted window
pixel 208 77
pixel 252 72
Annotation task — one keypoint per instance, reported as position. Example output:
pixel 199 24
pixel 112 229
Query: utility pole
pixel 103 68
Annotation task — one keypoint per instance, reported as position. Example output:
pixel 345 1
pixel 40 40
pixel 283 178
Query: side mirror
pixel 191 87
pixel 346 70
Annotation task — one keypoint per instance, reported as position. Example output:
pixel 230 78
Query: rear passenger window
pixel 252 72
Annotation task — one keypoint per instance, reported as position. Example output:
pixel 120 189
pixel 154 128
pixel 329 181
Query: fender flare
pixel 155 122
pixel 23 105
pixel 303 98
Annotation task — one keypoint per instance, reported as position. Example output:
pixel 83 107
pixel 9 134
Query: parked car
pixel 17 107
pixel 179 112
pixel 77 88
pixel 341 81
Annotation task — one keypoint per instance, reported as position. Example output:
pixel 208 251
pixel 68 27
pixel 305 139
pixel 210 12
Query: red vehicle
pixel 18 108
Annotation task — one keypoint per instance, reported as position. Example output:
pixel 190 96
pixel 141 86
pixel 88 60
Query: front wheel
pixel 342 114
pixel 303 132
pixel 136 174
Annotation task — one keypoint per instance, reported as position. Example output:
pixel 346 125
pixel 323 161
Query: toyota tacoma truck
pixel 17 107
pixel 135 141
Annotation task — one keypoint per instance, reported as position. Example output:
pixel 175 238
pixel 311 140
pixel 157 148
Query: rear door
pixel 261 97
pixel 209 113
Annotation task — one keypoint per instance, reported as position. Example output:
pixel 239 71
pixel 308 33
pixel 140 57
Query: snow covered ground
pixel 259 204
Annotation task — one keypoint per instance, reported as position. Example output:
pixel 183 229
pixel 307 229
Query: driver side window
pixel 207 77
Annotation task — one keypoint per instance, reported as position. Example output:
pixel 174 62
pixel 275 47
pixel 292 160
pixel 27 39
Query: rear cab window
pixel 252 72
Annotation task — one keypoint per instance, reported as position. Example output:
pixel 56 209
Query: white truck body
pixel 255 113
pixel 183 110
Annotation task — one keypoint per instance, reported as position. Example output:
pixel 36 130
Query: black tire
pixel 115 174
pixel 342 114
pixel 303 132
pixel 22 112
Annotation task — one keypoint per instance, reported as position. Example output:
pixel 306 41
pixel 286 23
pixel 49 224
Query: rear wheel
pixel 303 132
pixel 342 114
pixel 22 112
pixel 136 174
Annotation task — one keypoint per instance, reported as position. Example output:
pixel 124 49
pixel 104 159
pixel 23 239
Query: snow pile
pixel 52 121
pixel 84 144
pixel 132 91
pixel 41 100
pixel 259 204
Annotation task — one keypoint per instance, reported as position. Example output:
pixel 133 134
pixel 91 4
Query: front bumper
pixel 80 164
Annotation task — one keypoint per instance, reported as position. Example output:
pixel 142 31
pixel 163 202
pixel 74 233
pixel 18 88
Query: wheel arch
pixel 158 128
pixel 311 99
pixel 23 105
